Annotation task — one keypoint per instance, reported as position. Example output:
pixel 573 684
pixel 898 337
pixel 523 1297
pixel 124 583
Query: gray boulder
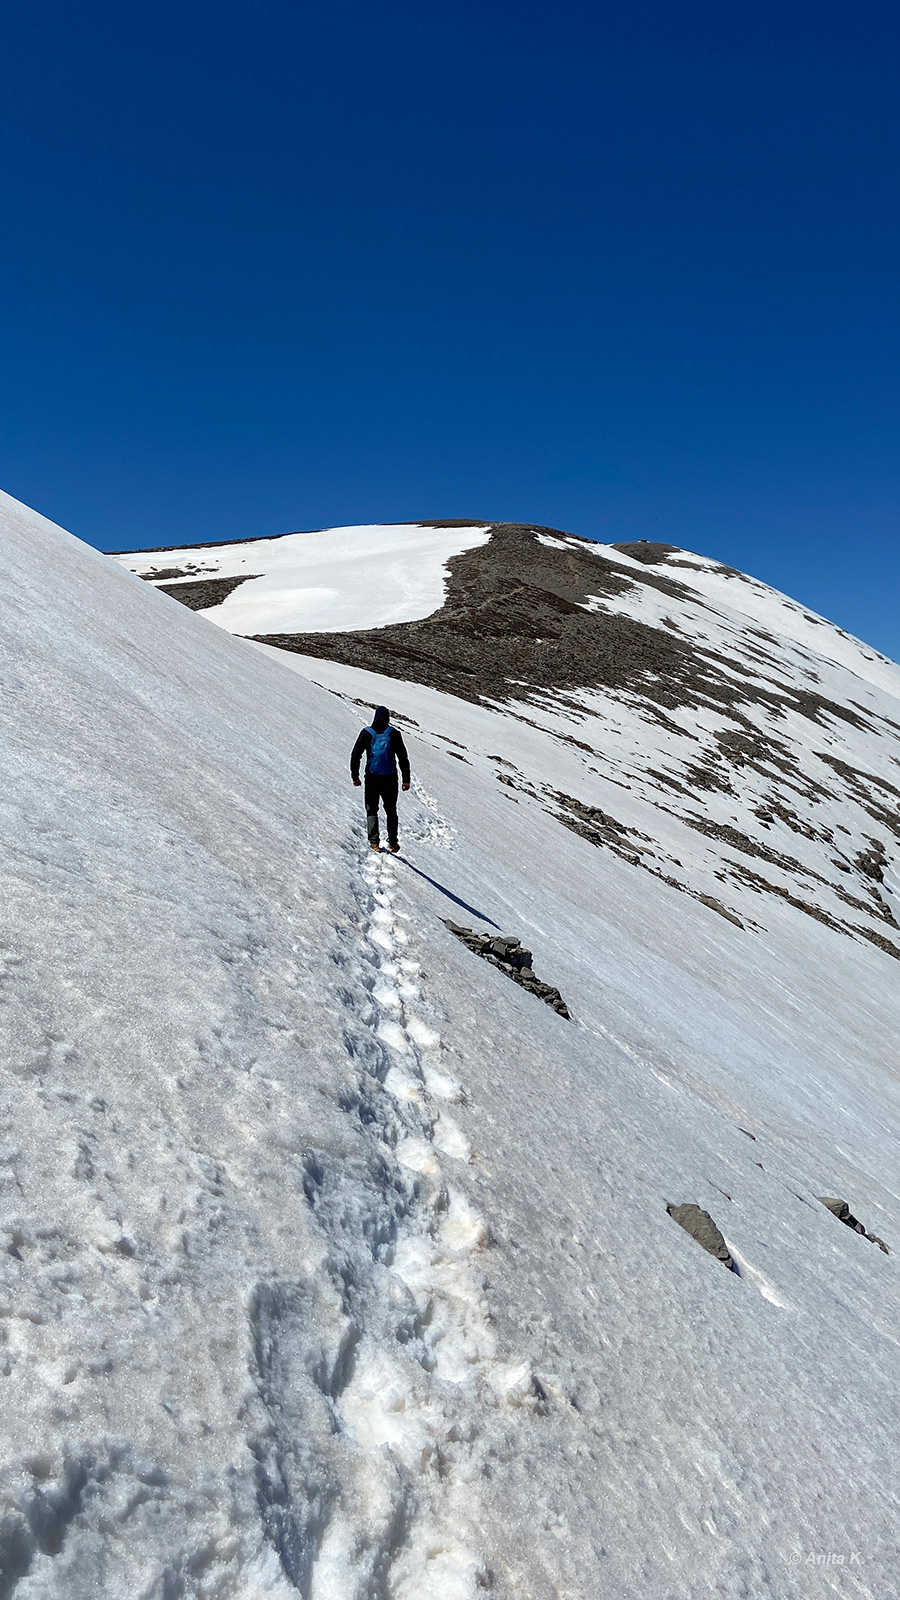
pixel 699 1224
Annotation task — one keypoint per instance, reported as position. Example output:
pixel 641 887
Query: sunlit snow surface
pixel 335 1263
pixel 336 579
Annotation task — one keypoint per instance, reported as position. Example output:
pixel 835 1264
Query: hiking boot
pixel 375 847
pixel 394 849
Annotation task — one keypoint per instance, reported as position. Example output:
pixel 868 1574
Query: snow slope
pixel 335 578
pixel 336 1263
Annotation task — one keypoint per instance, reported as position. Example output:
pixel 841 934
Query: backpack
pixel 381 756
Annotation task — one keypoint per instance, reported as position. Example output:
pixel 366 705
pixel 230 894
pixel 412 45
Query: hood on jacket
pixel 381 719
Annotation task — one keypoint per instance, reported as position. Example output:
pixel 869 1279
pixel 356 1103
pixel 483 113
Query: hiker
pixel 384 747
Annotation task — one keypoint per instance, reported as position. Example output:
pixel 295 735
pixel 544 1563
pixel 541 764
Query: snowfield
pixel 337 1264
pixel 334 579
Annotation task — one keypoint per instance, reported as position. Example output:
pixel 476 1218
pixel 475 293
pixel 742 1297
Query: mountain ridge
pixel 534 617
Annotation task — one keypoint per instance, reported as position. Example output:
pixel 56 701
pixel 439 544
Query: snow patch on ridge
pixel 333 580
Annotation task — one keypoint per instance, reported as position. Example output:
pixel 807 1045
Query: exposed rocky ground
pixel 512 958
pixel 841 1210
pixel 205 593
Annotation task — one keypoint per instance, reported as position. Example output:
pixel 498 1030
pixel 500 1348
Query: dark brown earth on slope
pixel 206 592
pixel 514 626
pixel 513 622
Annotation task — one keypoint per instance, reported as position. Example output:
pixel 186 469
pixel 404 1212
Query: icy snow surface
pixel 335 579
pixel 338 1265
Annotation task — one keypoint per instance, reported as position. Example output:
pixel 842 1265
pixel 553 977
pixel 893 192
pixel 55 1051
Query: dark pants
pixel 385 790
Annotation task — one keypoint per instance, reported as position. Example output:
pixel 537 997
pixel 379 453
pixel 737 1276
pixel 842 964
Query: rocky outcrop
pixel 512 958
pixel 596 825
pixel 710 901
pixel 699 1224
pixel 841 1210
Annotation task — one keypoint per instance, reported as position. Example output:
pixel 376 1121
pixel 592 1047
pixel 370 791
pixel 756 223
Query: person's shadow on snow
pixel 454 897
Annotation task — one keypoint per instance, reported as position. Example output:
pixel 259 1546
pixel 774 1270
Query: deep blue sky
pixel 631 270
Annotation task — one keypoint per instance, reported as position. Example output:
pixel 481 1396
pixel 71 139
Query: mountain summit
pixel 725 708
pixel 516 1216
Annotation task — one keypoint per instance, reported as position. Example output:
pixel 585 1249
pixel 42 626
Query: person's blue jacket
pixel 380 722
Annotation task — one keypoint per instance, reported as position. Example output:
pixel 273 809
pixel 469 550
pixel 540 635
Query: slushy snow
pixel 335 1264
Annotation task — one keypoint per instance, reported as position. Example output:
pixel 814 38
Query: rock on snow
pixel 335 1263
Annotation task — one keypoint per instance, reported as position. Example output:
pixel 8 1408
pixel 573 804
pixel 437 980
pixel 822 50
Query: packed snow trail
pixel 390 1510
pixel 385 1503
